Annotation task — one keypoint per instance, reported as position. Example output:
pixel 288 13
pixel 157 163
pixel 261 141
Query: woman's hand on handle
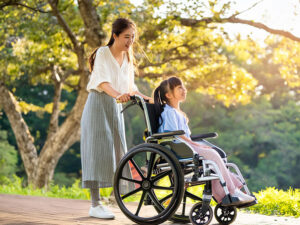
pixel 123 97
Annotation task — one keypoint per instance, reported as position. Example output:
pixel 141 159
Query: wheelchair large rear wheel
pixel 141 187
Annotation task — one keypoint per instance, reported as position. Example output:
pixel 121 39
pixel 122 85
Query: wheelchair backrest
pixel 153 118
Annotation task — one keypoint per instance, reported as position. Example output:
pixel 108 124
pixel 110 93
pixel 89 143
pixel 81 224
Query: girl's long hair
pixel 160 98
pixel 118 27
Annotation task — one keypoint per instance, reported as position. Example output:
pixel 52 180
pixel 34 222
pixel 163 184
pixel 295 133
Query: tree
pixel 40 168
pixel 50 45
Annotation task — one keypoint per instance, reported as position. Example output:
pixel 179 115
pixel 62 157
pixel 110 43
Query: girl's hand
pixel 123 98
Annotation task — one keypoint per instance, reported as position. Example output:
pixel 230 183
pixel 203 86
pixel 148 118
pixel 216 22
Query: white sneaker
pixel 243 198
pixel 101 212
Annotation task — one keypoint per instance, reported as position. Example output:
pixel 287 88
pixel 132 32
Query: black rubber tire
pixel 177 188
pixel 197 219
pixel 225 214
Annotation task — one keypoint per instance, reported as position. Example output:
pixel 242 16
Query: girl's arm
pixel 108 89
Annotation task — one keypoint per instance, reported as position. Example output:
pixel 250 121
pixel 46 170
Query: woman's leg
pixel 95 196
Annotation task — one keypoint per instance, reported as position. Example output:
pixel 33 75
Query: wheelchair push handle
pixel 134 99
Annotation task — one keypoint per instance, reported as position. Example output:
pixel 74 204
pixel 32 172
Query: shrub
pixel 277 202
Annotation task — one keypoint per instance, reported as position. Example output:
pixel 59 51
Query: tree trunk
pixel 22 134
pixel 40 169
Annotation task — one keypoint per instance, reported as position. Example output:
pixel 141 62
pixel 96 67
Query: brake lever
pixel 129 105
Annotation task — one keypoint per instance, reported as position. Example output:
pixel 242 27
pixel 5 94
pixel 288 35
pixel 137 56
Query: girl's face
pixel 125 39
pixel 178 94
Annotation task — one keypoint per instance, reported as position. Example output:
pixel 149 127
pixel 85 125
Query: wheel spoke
pixel 231 216
pixel 171 180
pixel 161 175
pixel 183 205
pixel 151 164
pixel 155 200
pixel 137 168
pixel 131 180
pixel 165 198
pixel 163 188
pixel 140 203
pixel 131 193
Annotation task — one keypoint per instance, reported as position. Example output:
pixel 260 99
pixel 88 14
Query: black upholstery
pixel 154 119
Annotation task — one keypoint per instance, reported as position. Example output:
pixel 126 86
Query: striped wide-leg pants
pixel 103 141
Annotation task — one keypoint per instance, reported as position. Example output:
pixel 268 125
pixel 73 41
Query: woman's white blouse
pixel 107 69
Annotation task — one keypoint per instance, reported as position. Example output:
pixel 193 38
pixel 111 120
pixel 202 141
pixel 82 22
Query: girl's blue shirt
pixel 172 121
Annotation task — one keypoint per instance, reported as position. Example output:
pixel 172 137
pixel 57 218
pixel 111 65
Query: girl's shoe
pixel 243 198
pixel 101 212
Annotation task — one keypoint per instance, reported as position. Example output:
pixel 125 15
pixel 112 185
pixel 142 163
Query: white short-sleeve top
pixel 107 69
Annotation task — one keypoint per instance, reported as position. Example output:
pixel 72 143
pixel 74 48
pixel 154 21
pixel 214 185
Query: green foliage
pixel 15 186
pixel 8 157
pixel 272 201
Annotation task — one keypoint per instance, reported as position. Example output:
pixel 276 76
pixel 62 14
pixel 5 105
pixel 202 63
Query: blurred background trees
pixel 246 90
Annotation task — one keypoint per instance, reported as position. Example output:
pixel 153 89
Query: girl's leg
pixel 217 189
pixel 95 196
pixel 237 183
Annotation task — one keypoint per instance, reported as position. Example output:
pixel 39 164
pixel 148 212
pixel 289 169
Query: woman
pixel 103 140
pixel 167 98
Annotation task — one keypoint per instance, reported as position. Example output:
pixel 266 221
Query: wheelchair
pixel 153 180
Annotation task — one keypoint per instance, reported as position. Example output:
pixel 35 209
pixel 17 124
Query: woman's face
pixel 125 39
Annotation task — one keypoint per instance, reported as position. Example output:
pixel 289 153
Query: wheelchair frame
pixel 178 161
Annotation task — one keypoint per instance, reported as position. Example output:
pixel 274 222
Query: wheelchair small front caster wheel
pixel 199 218
pixel 225 214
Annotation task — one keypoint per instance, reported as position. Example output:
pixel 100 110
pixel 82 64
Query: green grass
pixel 271 201
pixel 15 186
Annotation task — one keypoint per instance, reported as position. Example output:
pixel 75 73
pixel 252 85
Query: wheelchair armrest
pixel 199 137
pixel 168 134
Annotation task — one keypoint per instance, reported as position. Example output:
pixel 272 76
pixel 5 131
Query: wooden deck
pixel 25 210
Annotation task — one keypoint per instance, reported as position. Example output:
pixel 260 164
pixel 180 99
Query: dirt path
pixel 17 209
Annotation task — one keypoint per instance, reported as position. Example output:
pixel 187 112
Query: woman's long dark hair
pixel 160 98
pixel 118 27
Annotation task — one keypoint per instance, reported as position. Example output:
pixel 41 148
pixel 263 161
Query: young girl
pixel 103 140
pixel 167 98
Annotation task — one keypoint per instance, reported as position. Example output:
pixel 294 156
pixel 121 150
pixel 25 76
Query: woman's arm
pixel 108 89
pixel 143 96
